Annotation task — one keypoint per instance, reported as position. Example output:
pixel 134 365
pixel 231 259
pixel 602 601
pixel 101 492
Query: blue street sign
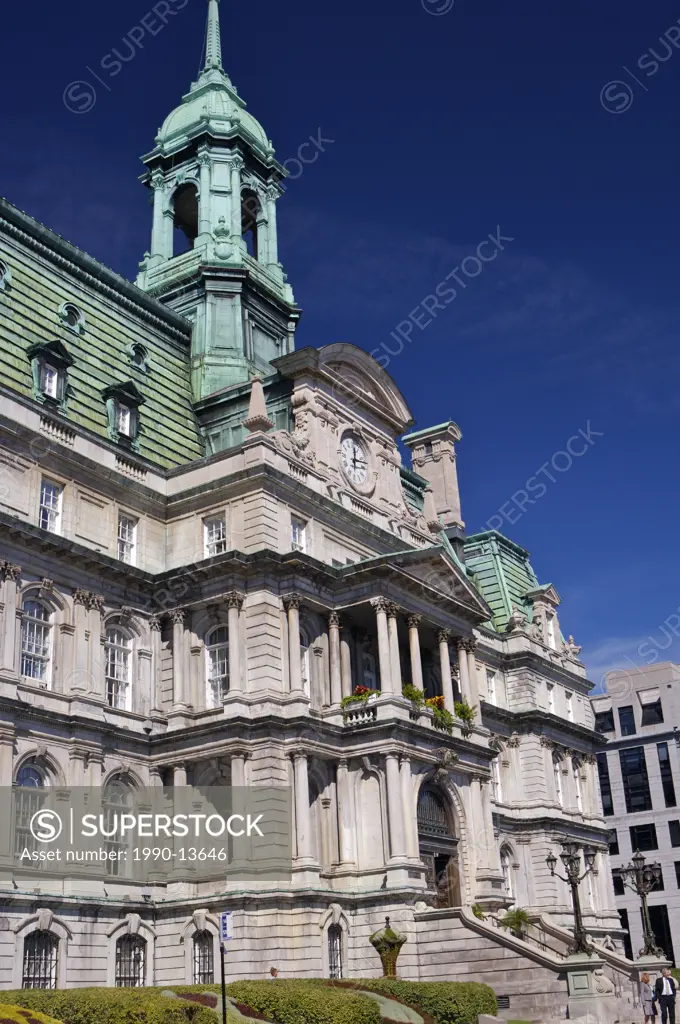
pixel 226 926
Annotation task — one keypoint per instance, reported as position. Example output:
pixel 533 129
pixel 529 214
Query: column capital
pixel 298 754
pixel 157 180
pixel 156 623
pixel 334 620
pixel 392 609
pixel 413 620
pixel 343 762
pixel 381 604
pixel 234 600
pixel 178 616
pixel 443 636
pixel 9 571
pixel 589 759
pixel 238 752
pixel 292 601
pixel 86 598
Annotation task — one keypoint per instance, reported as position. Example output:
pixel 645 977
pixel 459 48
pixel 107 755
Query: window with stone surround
pixel 31 785
pixel 127 539
pixel 217 666
pixel 49 514
pixel 130 961
pixel 214 536
pixel 203 959
pixel 298 534
pixel 118 653
pixel 335 952
pixel 36 642
pixel 41 952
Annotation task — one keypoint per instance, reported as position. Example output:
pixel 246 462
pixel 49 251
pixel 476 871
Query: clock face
pixel 354 458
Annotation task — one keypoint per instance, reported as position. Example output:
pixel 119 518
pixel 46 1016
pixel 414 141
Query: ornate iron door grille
pixel 335 952
pixel 40 961
pixel 130 962
pixel 204 961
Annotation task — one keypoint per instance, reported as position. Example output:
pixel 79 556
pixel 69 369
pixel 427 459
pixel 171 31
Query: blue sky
pixel 448 122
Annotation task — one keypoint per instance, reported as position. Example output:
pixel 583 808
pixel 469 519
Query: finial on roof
pixel 213 45
pixel 257 410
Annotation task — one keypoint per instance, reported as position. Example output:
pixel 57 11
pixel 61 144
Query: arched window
pixel 557 775
pixel 506 867
pixel 578 791
pixel 496 780
pixel 116 799
pixel 138 357
pixel 370 676
pixel 30 782
pixel 36 642
pixel 130 961
pixel 41 951
pixel 118 649
pixel 72 317
pixel 251 211
pixel 305 662
pixel 204 959
pixel 335 952
pixel 217 665
pixel 437 844
pixel 185 205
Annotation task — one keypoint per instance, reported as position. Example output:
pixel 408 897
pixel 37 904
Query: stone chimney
pixel 433 456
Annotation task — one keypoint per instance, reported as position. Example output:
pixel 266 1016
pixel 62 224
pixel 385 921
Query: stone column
pixel 204 220
pixel 273 256
pixel 335 657
pixel 410 823
pixel 590 790
pixel 414 648
pixel 238 768
pixel 155 777
pixel 345 663
pixel 179 775
pixel 10 575
pixel 179 658
pixel 97 666
pixel 393 633
pixel 292 605
pixel 395 812
pixel 158 234
pixel 6 756
pixel 346 824
pixel 234 605
pixel 492 854
pixel 303 820
pixel 82 677
pixel 236 165
pixel 471 647
pixel 76 767
pixel 463 673
pixel 155 627
pixel 95 766
pixel 443 638
pixel 380 605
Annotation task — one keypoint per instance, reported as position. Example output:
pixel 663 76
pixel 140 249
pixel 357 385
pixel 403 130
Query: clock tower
pixel 214 248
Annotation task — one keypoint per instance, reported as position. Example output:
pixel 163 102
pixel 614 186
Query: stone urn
pixel 388 944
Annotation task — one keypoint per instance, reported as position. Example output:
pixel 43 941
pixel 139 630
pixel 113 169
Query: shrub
pixel 297 1002
pixel 359 696
pixel 447 1002
pixel 22 1015
pixel 465 712
pixel 412 693
pixel 517 921
pixel 111 1006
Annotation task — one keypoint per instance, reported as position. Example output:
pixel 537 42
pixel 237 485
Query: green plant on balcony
pixel 359 696
pixel 443 719
pixel 517 921
pixel 412 693
pixel 465 713
pixel 478 910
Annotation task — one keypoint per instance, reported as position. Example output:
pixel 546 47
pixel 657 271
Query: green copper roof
pixel 503 574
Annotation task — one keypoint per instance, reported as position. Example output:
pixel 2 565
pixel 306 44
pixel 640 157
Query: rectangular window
pixel 635 780
pixel 551 631
pixel 604 721
pixel 619 887
pixel 50 506
pixel 613 840
pixel 627 721
pixel 643 838
pixel 298 534
pixel 50 381
pixel 652 714
pixel 605 784
pixel 569 701
pixel 215 536
pixel 666 775
pixel 127 539
pixel 677 873
pixel 123 419
pixel 674 830
pixel 491 695
pixel 550 689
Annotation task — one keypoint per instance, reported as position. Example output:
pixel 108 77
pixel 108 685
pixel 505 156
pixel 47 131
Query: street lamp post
pixel 571 858
pixel 641 878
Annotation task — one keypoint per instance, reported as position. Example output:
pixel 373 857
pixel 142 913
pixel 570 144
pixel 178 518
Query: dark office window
pixel 627 721
pixel 613 840
pixel 652 714
pixel 674 829
pixel 662 930
pixel 666 775
pixel 643 837
pixel 604 721
pixel 635 780
pixel 605 784
pixel 677 872
pixel 619 887
pixel 627 945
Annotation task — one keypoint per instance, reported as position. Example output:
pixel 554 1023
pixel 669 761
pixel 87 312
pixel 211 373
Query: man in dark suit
pixel 664 992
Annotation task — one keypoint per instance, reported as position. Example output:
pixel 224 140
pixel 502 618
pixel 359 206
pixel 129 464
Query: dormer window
pixel 123 402
pixel 139 358
pixel 50 365
pixel 72 317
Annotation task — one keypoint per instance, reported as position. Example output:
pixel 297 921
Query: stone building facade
pixel 639 776
pixel 207 540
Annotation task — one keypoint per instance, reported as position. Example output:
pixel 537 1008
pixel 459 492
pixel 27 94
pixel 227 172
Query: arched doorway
pixel 438 848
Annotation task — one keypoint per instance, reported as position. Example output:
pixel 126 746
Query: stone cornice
pixel 91 273
pixel 543 723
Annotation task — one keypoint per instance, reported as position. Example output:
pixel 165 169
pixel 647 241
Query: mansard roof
pixel 503 574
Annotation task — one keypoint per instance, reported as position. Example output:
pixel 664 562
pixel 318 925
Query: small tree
pixel 517 921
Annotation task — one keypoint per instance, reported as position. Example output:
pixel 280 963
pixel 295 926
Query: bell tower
pixel 214 247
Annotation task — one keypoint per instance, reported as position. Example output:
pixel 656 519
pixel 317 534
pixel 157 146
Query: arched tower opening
pixel 185 204
pixel 251 217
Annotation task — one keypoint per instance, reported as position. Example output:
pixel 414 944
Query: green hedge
pixel 448 1002
pixel 111 1006
pixel 297 1002
pixel 21 1015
